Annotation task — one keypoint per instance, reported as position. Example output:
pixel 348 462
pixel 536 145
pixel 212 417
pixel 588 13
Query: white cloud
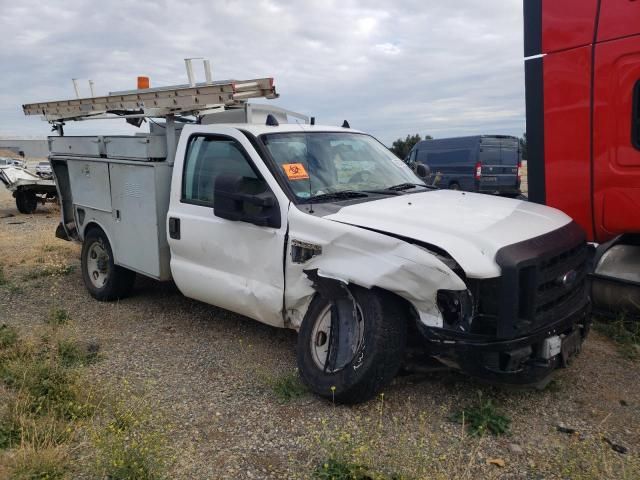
pixel 388 48
pixel 391 68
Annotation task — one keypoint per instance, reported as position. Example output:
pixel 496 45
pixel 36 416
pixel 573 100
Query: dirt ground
pixel 210 372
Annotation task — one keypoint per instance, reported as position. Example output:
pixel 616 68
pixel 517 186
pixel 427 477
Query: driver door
pixel 232 264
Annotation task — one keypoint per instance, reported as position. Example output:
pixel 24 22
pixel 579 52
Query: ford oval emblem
pixel 568 278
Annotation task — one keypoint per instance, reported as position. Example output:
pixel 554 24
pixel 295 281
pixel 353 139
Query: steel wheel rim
pixel 319 343
pixel 98 264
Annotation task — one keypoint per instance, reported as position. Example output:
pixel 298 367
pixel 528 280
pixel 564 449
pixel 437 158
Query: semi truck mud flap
pixel 571 346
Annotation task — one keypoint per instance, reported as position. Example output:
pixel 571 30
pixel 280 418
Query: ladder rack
pixel 193 99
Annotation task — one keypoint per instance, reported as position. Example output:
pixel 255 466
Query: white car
pixel 43 169
pixel 11 162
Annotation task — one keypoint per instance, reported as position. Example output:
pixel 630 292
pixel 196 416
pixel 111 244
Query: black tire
pixel 454 186
pixel 117 282
pixel 378 358
pixel 26 201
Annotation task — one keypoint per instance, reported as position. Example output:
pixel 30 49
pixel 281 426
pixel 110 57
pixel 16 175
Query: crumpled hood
pixel 471 227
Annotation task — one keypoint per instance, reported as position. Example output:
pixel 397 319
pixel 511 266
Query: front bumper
pixel 517 361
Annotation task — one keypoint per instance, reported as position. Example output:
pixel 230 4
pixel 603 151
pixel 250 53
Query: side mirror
pixel 245 199
pixel 422 170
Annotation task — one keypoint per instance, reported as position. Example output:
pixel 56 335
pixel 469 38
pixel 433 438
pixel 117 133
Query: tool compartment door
pixel 135 220
pixel 89 182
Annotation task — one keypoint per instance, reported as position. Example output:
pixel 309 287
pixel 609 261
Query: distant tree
pixel 402 147
pixel 523 145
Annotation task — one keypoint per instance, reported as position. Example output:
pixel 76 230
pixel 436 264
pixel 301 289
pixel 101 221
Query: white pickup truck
pixel 321 229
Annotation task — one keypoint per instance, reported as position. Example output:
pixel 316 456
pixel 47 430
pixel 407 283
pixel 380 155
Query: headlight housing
pixel 457 309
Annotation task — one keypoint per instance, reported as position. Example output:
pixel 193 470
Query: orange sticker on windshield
pixel 295 171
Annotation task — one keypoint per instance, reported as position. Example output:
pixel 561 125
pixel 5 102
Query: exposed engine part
pixel 301 251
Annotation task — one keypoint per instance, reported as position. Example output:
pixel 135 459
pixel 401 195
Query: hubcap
pixel 321 335
pixel 98 264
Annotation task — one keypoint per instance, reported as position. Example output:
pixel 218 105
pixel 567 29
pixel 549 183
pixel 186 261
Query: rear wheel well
pixel 92 226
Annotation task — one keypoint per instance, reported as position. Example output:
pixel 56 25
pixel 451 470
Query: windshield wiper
pixel 404 186
pixel 397 189
pixel 339 195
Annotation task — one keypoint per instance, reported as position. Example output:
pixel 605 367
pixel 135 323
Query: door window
pixel 207 157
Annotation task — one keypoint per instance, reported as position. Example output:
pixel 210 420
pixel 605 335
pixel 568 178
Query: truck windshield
pixel 325 163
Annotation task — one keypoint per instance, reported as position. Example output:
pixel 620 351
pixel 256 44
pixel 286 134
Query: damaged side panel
pixel 353 255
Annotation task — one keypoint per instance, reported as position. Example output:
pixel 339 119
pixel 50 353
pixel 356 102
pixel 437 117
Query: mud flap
pixel 343 319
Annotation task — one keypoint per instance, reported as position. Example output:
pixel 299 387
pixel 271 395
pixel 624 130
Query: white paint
pixel 234 265
pixel 239 266
pixel 369 259
pixel 471 227
pixel 15 177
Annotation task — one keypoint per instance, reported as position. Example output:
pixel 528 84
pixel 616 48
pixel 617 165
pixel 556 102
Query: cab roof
pixel 259 129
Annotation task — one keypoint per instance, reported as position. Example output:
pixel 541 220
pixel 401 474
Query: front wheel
pixel 103 278
pixel 351 348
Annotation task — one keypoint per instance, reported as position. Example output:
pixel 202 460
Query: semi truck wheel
pixel 375 333
pixel 454 186
pixel 103 278
pixel 26 201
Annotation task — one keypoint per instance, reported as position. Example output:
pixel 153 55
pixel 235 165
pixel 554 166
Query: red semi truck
pixel 582 77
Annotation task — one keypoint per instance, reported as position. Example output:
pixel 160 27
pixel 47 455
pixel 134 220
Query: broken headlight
pixel 457 309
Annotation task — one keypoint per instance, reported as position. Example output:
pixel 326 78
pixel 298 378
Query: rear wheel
pixel 454 186
pixel 367 353
pixel 26 201
pixel 103 278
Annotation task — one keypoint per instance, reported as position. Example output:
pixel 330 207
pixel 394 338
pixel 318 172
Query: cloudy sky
pixel 389 67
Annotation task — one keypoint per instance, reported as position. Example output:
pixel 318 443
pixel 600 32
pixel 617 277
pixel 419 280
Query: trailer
pixel 27 188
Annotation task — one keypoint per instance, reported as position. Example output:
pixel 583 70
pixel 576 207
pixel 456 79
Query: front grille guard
pixel 543 279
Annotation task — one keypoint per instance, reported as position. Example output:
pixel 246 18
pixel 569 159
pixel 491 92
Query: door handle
pixel 174 228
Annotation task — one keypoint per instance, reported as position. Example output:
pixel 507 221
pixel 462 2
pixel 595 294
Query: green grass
pixel 3 278
pixel 49 271
pixel 131 445
pixel 50 388
pixel 287 387
pixel 58 316
pixel 47 411
pixel 39 374
pixel 8 285
pixel 72 353
pixel 40 464
pixel 625 333
pixel 9 433
pixel 483 418
pixel 334 469
pixel 8 336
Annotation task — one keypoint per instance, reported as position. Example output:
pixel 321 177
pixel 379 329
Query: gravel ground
pixel 208 371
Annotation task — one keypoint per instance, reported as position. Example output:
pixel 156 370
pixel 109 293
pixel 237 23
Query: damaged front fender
pixel 354 255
